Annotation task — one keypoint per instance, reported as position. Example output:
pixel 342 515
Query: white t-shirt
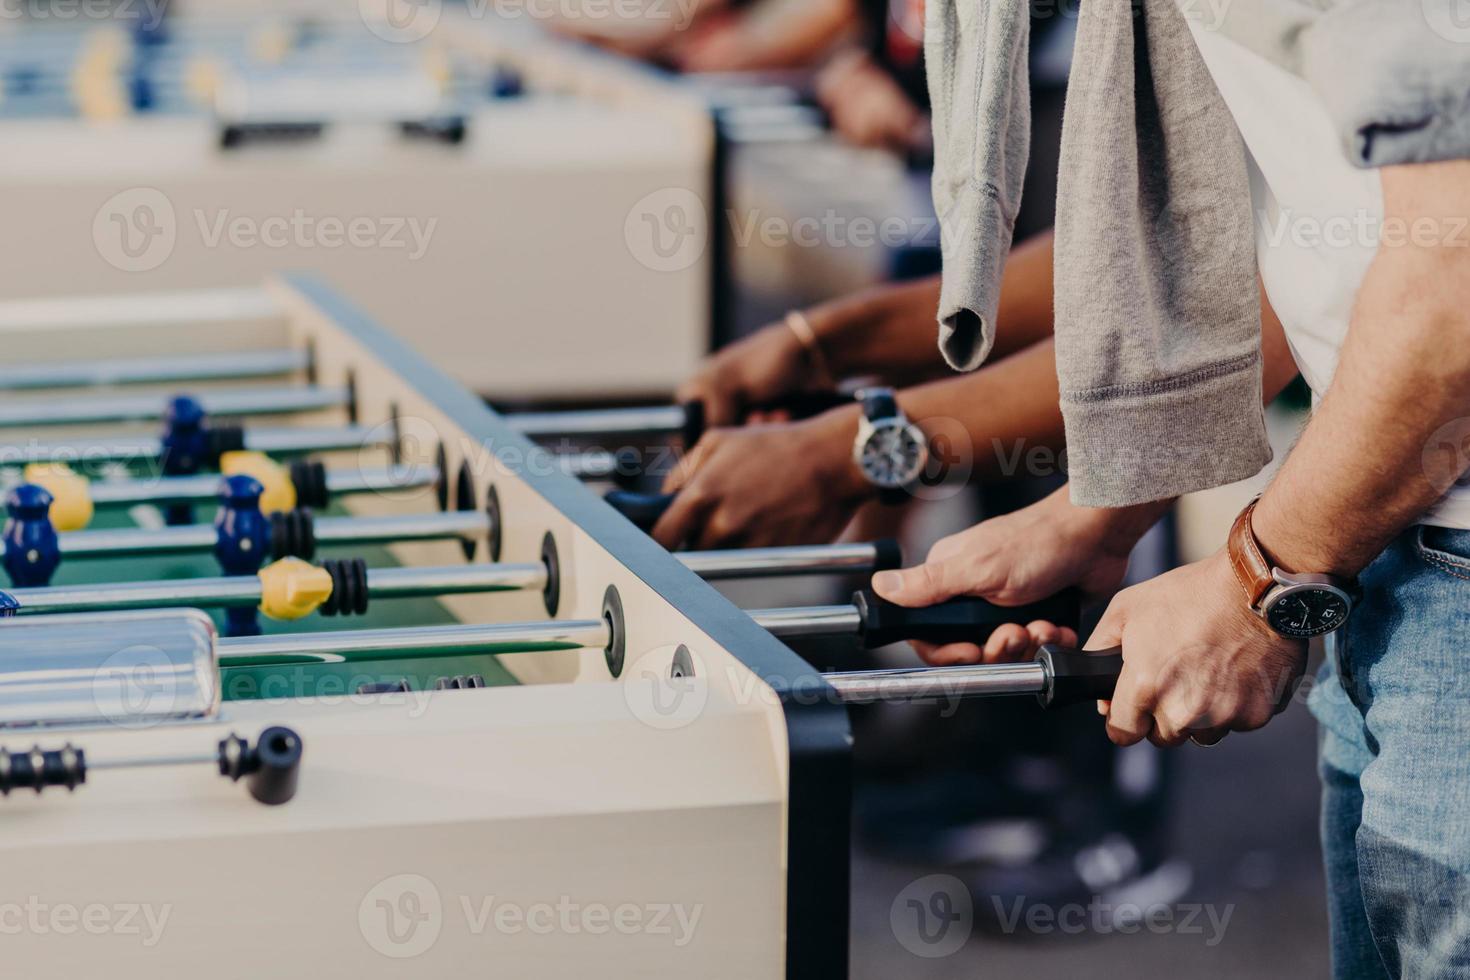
pixel 1318 218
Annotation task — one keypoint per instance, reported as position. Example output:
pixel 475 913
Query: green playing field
pixel 310 680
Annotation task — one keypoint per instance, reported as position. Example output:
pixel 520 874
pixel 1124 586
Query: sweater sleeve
pixel 976 52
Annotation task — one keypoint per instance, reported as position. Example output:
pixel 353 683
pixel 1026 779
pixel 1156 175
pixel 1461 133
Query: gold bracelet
pixel 807 337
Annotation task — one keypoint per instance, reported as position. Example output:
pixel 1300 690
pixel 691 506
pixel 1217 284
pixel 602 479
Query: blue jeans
pixel 1394 706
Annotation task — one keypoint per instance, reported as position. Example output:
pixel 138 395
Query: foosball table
pixel 462 714
pixel 208 148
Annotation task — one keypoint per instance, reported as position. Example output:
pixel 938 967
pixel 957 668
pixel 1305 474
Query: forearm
pixel 890 331
pixel 998 422
pixel 1005 421
pixel 1365 467
pixel 1001 422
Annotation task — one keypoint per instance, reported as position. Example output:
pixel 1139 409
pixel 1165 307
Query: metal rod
pixel 82 450
pixel 809 620
pixel 416 582
pixel 169 489
pixel 72 410
pixel 298 442
pixel 412 583
pixel 241 590
pixel 283 441
pixel 190 538
pixel 244 590
pixel 594 464
pixel 924 683
pixel 768 562
pixel 653 420
pixel 155 370
pixel 150 761
pixel 130 493
pixel 405 527
pixel 381 480
pixel 125 542
pixel 419 641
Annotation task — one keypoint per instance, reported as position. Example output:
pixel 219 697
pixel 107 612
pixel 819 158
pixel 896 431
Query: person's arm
pixel 786 483
pixel 1404 375
pixel 886 333
pixel 796 482
pixel 868 107
pixel 1370 462
pixel 772 34
pixel 874 333
pixel 1052 545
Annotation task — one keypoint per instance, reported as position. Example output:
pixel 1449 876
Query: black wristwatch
pixel 890 451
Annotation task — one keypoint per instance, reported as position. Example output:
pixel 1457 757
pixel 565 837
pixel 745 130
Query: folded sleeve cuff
pixel 1131 444
pixel 975 236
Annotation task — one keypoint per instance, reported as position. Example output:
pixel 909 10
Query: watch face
pixel 1307 612
pixel 893 455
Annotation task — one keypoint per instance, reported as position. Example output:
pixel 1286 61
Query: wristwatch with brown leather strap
pixel 1294 604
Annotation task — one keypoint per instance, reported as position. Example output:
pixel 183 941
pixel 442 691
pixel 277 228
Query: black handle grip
pixel 1078 676
pixel 887 554
pixel 963 620
pixel 270 768
pixel 694 423
pixel 805 404
pixel 643 509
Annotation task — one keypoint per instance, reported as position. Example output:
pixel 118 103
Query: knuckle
pixel 1176 719
pixel 1225 709
pixel 1145 691
pixel 696 495
pixel 1254 716
pixel 722 524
